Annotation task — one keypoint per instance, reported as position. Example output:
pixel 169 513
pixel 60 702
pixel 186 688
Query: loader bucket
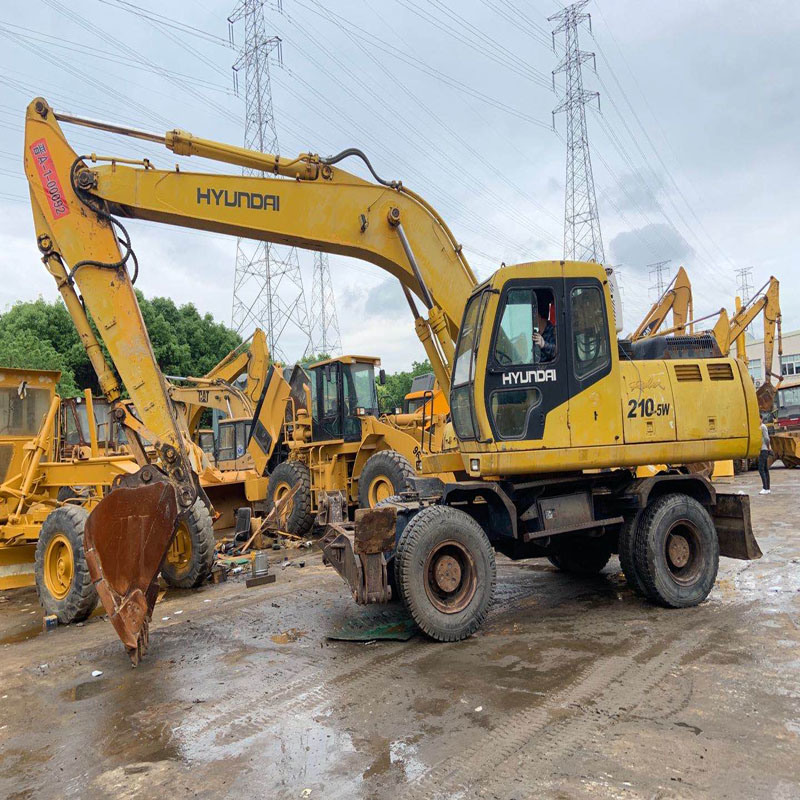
pixel 126 538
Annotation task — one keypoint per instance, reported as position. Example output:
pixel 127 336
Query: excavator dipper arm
pixel 128 533
pixel 677 297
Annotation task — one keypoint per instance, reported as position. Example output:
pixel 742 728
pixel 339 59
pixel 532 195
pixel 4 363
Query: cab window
pixel 589 330
pixel 526 334
pixel 510 409
pixel 22 416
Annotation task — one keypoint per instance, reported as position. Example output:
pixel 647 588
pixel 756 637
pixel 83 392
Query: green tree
pixel 41 335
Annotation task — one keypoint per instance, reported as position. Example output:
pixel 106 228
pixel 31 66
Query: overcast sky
pixel 695 155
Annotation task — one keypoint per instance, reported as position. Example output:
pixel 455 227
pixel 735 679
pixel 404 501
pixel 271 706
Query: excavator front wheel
pixel 62 576
pixel 191 554
pixel 446 571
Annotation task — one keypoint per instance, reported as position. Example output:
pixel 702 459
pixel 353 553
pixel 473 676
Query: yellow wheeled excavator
pixel 550 413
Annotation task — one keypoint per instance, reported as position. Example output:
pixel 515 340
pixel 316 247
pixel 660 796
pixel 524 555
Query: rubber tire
pixel 650 558
pixel 430 526
pixel 82 598
pixel 66 493
pixel 201 532
pixel 389 464
pixel 627 538
pixel 582 555
pixel 301 519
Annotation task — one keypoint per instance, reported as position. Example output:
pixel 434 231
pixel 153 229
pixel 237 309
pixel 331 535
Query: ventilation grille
pixel 720 372
pixel 688 372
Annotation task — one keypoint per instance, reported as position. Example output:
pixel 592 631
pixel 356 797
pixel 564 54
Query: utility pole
pixel 268 286
pixel 744 286
pixel 325 336
pixel 582 240
pixel 744 283
pixel 659 271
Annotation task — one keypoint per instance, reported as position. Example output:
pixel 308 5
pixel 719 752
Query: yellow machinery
pixel 731 331
pixel 549 419
pixel 677 297
pixel 318 432
pixel 43 459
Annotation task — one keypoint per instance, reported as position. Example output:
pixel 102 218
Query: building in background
pixel 787 365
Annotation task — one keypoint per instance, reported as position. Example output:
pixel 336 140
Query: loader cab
pixel 532 338
pixel 25 397
pixel 234 436
pixel 342 391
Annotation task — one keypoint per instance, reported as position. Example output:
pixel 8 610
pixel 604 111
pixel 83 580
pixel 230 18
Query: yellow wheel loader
pixel 550 413
pixel 53 471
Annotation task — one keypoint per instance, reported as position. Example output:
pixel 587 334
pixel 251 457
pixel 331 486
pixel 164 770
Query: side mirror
pixel 382 377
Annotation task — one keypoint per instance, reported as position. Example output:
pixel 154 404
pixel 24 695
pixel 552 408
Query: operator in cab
pixel 544 336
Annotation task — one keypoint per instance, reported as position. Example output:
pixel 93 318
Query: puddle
pixel 84 690
pixel 292 635
pixel 23 635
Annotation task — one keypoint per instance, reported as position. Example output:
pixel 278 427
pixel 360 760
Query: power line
pixel 659 272
pixel 268 286
pixel 325 335
pixel 582 240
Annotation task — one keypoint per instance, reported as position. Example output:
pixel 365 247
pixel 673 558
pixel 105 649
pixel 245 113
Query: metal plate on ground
pixel 376 623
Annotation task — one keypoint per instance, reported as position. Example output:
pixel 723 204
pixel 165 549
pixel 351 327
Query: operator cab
pixel 342 390
pixel 536 339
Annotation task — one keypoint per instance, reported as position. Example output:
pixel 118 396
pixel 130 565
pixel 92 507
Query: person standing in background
pixel 763 458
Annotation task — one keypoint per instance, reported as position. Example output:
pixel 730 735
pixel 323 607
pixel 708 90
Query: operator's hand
pixel 538 340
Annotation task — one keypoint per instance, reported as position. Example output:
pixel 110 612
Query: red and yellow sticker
pixel 49 178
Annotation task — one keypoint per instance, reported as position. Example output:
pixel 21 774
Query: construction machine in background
pixel 676 298
pixel 54 467
pixel 550 413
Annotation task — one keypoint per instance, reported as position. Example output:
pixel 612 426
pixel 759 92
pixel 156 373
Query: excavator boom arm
pixel 324 208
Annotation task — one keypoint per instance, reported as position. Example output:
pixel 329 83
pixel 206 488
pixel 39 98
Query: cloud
pixel 636 248
pixel 386 299
pixel 631 193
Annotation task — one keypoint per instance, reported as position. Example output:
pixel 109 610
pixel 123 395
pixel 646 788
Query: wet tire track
pixel 248 715
pixel 510 759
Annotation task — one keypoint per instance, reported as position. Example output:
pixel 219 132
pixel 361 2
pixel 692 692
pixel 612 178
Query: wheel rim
pixel 281 490
pixel 450 577
pixel 179 555
pixel 58 566
pixel 683 552
pixel 380 488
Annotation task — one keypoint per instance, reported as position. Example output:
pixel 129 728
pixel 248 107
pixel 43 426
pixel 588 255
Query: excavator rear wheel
pixel 446 572
pixel 300 518
pixel 627 540
pixel 190 556
pixel 676 551
pixel 62 575
pixel 386 473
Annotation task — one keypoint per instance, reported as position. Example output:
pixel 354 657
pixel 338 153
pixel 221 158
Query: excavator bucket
pixel 765 394
pixel 126 538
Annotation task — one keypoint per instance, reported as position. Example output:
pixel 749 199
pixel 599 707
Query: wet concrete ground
pixel 574 688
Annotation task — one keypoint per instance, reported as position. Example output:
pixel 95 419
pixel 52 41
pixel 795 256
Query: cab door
pixel 326 418
pixel 526 387
pixel 592 369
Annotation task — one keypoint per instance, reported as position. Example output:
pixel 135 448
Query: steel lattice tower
pixel 325 336
pixel 267 287
pixel 582 240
